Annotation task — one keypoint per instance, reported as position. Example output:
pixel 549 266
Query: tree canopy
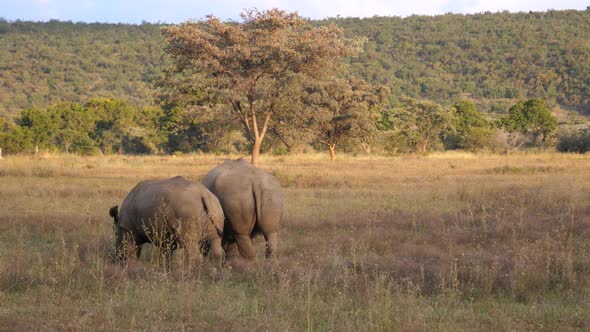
pixel 348 109
pixel 102 124
pixel 247 67
pixel 531 117
pixel 420 122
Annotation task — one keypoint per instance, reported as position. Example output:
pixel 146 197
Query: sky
pixel 176 11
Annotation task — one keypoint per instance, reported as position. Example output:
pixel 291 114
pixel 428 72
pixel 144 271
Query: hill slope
pixel 485 56
pixel 45 63
pixel 491 58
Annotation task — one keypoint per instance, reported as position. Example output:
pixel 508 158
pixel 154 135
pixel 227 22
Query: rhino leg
pixel 230 248
pixel 245 247
pixel 138 251
pixel 216 253
pixel 272 240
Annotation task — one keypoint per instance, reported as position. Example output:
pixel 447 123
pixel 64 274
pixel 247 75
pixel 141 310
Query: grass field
pixel 441 242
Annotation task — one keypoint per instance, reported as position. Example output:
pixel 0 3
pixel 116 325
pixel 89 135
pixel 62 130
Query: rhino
pixel 252 201
pixel 166 213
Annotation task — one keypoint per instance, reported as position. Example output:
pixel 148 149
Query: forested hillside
pixel 45 63
pixel 494 59
pixel 488 57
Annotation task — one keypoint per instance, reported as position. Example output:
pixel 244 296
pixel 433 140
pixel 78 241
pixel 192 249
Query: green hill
pixel 45 63
pixel 493 59
pixel 487 57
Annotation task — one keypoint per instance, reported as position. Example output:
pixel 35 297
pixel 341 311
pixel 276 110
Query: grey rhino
pixel 252 201
pixel 164 212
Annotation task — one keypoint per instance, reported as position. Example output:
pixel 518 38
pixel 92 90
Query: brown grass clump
pixel 443 242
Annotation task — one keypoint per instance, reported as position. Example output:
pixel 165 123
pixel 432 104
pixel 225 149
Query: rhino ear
pixel 114 212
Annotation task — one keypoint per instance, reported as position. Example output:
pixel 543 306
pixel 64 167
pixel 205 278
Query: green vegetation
pixel 48 63
pixel 108 125
pixel 531 117
pixel 473 82
pixel 471 130
pixel 419 123
pixel 491 58
pixel 574 140
pixel 348 113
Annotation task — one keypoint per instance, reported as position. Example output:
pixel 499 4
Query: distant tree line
pixel 112 126
pixel 101 124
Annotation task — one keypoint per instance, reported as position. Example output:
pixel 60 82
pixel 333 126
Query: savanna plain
pixel 440 242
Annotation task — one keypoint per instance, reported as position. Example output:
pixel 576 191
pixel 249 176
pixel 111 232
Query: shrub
pixel 481 138
pixel 574 140
pixel 531 117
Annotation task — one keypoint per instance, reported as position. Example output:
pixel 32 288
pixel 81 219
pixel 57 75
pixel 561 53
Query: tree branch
pixel 255 125
pixel 281 138
pixel 243 119
pixel 265 126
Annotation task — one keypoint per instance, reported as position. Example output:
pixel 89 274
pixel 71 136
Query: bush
pixel 481 138
pixel 280 151
pixel 15 139
pixel 396 143
pixel 574 140
pixel 510 142
pixel 531 117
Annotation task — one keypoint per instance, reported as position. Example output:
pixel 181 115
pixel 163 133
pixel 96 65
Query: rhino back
pixel 152 200
pixel 223 169
pixel 247 194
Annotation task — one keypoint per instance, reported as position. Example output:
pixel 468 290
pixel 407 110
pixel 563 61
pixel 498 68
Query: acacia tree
pixel 348 109
pixel 296 121
pixel 247 66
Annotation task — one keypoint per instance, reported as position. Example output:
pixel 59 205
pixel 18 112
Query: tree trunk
pixel 366 147
pixel 422 146
pixel 256 152
pixel 36 149
pixel 332 151
pixel 258 136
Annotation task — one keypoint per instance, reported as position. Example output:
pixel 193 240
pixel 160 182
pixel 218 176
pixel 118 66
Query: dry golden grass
pixel 449 241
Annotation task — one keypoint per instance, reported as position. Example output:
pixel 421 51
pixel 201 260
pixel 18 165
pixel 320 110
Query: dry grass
pixel 447 242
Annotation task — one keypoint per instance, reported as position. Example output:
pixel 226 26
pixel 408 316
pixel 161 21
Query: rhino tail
pixel 114 212
pixel 257 205
pixel 207 204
